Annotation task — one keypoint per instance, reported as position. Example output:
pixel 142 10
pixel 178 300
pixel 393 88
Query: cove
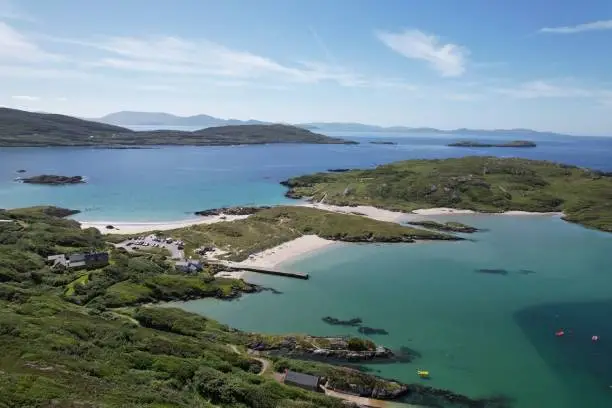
pixel 479 334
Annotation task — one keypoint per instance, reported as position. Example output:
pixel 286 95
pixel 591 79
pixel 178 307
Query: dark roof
pixel 76 257
pixel 302 379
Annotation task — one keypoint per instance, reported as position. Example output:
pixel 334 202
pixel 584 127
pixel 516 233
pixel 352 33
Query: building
pixel 80 260
pixel 189 266
pixel 304 381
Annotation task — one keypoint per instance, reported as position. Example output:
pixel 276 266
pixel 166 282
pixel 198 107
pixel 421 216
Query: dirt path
pixel 265 364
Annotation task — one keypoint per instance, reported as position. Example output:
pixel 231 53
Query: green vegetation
pixel 272 227
pixel 486 184
pixel 450 226
pixel 21 128
pixel 62 343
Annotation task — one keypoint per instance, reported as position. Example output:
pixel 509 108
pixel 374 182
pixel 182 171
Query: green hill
pixel 486 184
pixel 22 128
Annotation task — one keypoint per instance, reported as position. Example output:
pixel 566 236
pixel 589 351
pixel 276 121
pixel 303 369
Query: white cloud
pixel 546 89
pixel 594 26
pixel 448 59
pixel 16 47
pixel 206 59
pixel 61 99
pixel 26 98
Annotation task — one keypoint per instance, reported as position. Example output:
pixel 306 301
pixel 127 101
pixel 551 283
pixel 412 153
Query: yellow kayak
pixel 423 374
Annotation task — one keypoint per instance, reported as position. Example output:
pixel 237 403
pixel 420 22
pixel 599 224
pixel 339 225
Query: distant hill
pixel 359 127
pixel 129 118
pixel 22 128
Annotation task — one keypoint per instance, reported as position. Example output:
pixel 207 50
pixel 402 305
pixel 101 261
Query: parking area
pixel 175 247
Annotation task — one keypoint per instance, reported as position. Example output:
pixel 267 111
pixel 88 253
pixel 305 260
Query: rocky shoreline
pixel 446 227
pixel 51 179
pixel 231 211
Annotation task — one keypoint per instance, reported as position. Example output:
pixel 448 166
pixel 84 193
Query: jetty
pixel 259 269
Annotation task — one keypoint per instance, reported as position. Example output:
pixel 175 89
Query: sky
pixel 540 64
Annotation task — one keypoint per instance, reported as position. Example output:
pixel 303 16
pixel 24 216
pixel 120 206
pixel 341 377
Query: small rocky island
pixel 382 142
pixel 514 143
pixel 53 180
pixel 331 348
pixel 231 211
pixel 450 226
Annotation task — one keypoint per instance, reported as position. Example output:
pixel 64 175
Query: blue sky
pixel 540 64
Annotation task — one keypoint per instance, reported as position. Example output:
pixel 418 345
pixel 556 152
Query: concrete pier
pixel 259 269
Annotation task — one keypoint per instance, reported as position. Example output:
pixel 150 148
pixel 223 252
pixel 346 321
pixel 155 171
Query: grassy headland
pixel 22 128
pixel 78 338
pixel 485 184
pixel 274 226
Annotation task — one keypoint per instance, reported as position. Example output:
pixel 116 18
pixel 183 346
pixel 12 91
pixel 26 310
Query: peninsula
pixel 481 184
pixel 79 336
pixel 514 143
pixel 52 180
pixel 22 128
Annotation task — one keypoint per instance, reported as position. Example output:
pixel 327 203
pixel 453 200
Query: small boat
pixel 423 373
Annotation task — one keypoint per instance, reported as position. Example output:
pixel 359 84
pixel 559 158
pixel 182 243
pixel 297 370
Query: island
pixel 21 128
pixel 450 226
pixel 21 171
pixel 91 335
pixel 381 142
pixel 231 211
pixel 514 143
pixel 481 184
pixel 52 180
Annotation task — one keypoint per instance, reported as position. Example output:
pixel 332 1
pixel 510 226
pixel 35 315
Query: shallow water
pixel 480 334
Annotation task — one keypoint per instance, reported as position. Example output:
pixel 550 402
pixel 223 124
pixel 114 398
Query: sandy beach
pixel 289 250
pixel 365 211
pixel 140 227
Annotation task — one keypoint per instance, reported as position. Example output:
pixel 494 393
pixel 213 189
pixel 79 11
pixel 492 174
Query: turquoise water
pixel 480 334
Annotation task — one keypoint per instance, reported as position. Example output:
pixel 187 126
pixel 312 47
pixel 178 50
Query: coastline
pixel 126 227
pixel 301 246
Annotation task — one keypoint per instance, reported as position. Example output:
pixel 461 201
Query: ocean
pixel 479 334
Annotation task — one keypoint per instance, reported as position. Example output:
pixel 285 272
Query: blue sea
pixel 479 334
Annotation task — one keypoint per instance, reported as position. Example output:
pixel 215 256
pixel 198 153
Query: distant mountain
pixel 359 127
pixel 22 128
pixel 128 118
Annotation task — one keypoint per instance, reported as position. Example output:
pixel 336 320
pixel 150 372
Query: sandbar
pixel 121 227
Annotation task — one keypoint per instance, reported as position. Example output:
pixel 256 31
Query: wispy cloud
pixel 203 58
pixel 593 26
pixel 448 59
pixel 549 89
pixel 16 47
pixel 25 98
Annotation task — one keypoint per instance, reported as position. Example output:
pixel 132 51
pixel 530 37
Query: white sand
pixel 139 227
pixel 442 211
pixel 287 251
pixel 397 216
pixel 365 211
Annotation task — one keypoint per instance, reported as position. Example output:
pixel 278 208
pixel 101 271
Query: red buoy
pixel 595 338
pixel 559 333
